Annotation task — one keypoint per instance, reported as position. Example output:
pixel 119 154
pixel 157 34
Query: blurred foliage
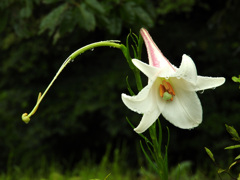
pixel 83 110
pixel 228 170
pixel 236 79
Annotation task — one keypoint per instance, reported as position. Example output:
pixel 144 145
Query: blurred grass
pixel 113 165
pixel 82 171
pixel 100 172
pixel 115 169
pixel 95 172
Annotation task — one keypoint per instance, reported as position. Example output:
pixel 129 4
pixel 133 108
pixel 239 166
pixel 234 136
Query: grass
pixel 87 169
pixel 82 171
pixel 109 171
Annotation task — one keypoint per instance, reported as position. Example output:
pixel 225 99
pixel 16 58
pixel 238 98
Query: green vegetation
pixel 104 170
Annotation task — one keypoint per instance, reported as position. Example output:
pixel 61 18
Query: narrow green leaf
pixel 145 138
pixel 129 88
pixel 166 156
pixel 139 48
pixel 134 51
pixel 232 131
pixel 127 53
pixel 136 71
pixel 220 170
pixel 232 165
pixel 150 150
pixel 159 134
pixel 235 79
pixel 168 137
pixel 153 135
pixel 210 154
pixel 233 147
pixel 107 176
pixel 134 39
pixel 148 158
pixel 238 157
pixel 130 123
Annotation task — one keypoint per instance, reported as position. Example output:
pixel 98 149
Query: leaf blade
pixel 210 154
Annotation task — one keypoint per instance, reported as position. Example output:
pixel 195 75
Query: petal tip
pixel 124 96
pixel 138 130
pixel 142 30
pixel 185 56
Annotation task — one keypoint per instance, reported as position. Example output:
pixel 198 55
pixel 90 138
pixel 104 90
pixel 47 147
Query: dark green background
pixel 83 110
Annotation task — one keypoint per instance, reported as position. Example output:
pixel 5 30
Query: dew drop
pixel 92 49
pixel 201 92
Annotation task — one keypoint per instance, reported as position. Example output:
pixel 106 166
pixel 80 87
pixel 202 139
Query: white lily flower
pixel 171 91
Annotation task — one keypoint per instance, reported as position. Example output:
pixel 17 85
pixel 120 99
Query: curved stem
pixel 112 43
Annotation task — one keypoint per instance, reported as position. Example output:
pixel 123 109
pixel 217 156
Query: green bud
pixel 232 131
pixel 235 79
pixel 25 118
pixel 210 154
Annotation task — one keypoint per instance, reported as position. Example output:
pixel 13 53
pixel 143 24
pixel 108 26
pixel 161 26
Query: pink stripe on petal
pixel 155 56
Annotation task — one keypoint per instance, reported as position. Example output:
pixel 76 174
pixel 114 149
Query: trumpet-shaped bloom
pixel 170 91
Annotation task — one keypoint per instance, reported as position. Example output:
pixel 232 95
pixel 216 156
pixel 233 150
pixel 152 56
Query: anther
pixel 161 90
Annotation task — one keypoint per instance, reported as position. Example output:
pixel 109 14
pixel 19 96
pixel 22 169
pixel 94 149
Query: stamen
pixel 166 91
pixel 168 87
pixel 165 83
pixel 170 90
pixel 161 90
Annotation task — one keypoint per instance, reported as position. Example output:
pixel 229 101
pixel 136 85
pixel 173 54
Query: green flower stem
pixel 112 43
pixel 138 79
pixel 139 56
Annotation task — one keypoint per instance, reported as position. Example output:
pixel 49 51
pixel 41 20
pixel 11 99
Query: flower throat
pixel 166 91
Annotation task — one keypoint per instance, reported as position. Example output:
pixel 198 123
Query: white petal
pixel 185 111
pixel 147 120
pixel 181 84
pixel 187 70
pixel 150 71
pixel 208 82
pixel 156 107
pixel 142 102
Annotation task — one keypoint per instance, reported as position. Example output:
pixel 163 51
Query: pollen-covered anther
pixel 166 91
pixel 161 90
